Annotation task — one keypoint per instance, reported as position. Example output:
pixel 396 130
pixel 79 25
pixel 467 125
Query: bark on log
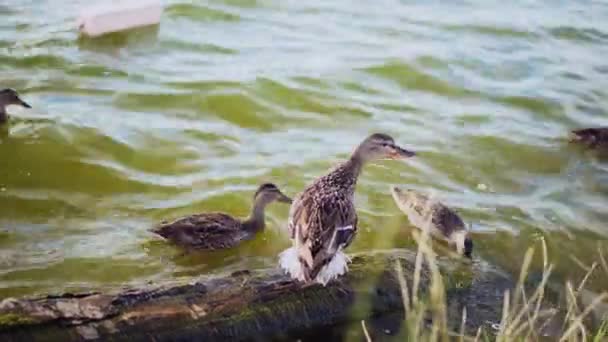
pixel 250 305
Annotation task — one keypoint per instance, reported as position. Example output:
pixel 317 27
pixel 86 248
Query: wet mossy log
pixel 246 305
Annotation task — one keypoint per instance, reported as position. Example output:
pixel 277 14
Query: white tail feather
pixel 289 261
pixel 336 267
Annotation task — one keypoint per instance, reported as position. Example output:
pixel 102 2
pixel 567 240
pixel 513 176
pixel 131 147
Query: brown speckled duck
pixel 9 97
pixel 443 223
pixel 592 137
pixel 323 219
pixel 213 231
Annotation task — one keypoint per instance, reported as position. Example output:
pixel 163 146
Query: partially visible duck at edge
pixel 212 231
pixel 591 137
pixel 9 97
pixel 323 218
pixel 443 223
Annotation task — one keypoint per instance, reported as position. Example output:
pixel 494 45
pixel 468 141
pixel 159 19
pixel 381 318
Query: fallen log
pixel 249 305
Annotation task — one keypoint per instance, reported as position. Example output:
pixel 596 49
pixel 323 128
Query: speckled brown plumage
pixel 443 222
pixel 324 206
pixel 218 230
pixel 205 231
pixel 592 137
pixel 442 217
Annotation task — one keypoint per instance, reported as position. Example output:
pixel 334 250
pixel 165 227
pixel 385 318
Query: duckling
pixel 592 137
pixel 8 97
pixel 211 231
pixel 444 223
pixel 323 218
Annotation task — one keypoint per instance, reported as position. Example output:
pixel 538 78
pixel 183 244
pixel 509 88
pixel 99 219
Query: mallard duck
pixel 444 223
pixel 592 137
pixel 9 97
pixel 323 219
pixel 212 231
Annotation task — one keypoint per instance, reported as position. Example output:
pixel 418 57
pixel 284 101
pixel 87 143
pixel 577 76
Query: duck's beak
pixel 284 199
pixel 23 103
pixel 396 190
pixel 398 152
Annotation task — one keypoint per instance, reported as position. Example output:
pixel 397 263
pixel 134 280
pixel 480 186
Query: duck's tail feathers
pixel 335 268
pixel 289 261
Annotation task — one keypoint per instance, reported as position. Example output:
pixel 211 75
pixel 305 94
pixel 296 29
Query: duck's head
pixel 10 96
pixel 381 146
pixel 589 136
pixel 269 192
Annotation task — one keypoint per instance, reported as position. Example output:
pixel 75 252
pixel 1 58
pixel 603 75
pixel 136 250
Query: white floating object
pixel 482 187
pixel 119 16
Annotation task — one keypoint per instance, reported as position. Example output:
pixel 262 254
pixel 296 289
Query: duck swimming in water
pixel 592 137
pixel 323 219
pixel 443 223
pixel 211 231
pixel 9 97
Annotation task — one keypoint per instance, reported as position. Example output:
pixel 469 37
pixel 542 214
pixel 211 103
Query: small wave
pixel 544 107
pixel 54 43
pixel 197 47
pixel 95 71
pixel 579 34
pixel 38 206
pixel 495 31
pixel 412 78
pixel 317 102
pixel 201 13
pixel 43 61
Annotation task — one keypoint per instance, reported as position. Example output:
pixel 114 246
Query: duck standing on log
pixel 323 218
pixel 9 97
pixel 211 231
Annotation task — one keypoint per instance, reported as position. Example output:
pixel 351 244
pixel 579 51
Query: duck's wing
pixel 322 226
pixel 206 231
pixel 294 212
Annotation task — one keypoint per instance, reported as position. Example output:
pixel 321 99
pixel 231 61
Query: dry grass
pixel 523 315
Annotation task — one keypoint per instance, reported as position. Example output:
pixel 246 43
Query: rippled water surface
pixel 190 116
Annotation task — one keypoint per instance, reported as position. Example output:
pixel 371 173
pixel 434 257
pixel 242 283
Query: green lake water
pixel 191 116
